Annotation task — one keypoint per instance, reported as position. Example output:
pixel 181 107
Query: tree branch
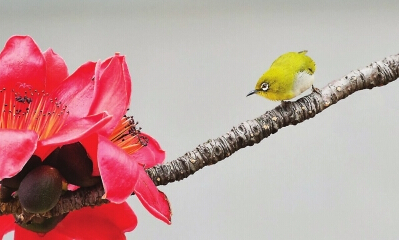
pixel 246 134
pixel 290 113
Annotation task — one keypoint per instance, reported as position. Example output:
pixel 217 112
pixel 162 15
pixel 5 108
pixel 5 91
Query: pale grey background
pixel 193 62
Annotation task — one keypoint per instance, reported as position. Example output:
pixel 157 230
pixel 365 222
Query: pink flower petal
pixel 152 199
pixel 118 172
pixel 16 147
pixel 23 234
pixel 128 81
pixel 111 92
pixel 150 155
pixel 74 131
pixel 43 151
pixel 108 221
pixel 57 70
pixel 77 91
pixel 22 64
pixel 72 187
pixel 6 224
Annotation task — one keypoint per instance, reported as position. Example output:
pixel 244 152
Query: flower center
pixel 31 110
pixel 127 136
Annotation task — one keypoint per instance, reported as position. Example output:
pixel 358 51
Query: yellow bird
pixel 289 75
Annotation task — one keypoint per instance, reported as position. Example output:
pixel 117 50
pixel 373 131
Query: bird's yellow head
pixel 288 76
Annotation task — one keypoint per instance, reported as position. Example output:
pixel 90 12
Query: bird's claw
pixel 284 103
pixel 318 91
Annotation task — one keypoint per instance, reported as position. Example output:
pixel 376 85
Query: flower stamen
pixel 31 110
pixel 127 136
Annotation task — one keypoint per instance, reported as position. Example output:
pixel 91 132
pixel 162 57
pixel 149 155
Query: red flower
pixel 43 108
pixel 121 151
pixel 109 221
pixel 35 117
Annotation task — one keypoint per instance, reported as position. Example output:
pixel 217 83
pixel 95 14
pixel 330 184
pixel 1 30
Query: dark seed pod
pixel 41 224
pixel 75 166
pixel 52 159
pixel 41 189
pixel 14 182
pixel 5 193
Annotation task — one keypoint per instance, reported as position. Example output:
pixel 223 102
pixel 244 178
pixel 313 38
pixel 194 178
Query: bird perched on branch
pixel 289 75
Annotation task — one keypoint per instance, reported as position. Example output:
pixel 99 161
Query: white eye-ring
pixel 264 86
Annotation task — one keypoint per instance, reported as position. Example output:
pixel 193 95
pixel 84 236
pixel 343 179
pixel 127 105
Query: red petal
pixel 79 129
pixel 43 151
pixel 16 147
pixel 72 187
pixel 111 92
pixel 22 64
pixel 128 81
pixel 77 91
pixel 152 199
pixel 7 224
pixel 23 234
pixel 150 155
pixel 118 172
pixel 108 221
pixel 57 70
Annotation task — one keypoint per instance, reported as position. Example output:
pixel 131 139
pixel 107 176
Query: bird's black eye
pixel 264 86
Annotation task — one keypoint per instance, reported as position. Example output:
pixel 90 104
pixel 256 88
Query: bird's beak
pixel 252 92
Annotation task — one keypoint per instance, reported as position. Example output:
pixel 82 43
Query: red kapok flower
pixel 35 118
pixel 101 223
pixel 43 109
pixel 119 151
